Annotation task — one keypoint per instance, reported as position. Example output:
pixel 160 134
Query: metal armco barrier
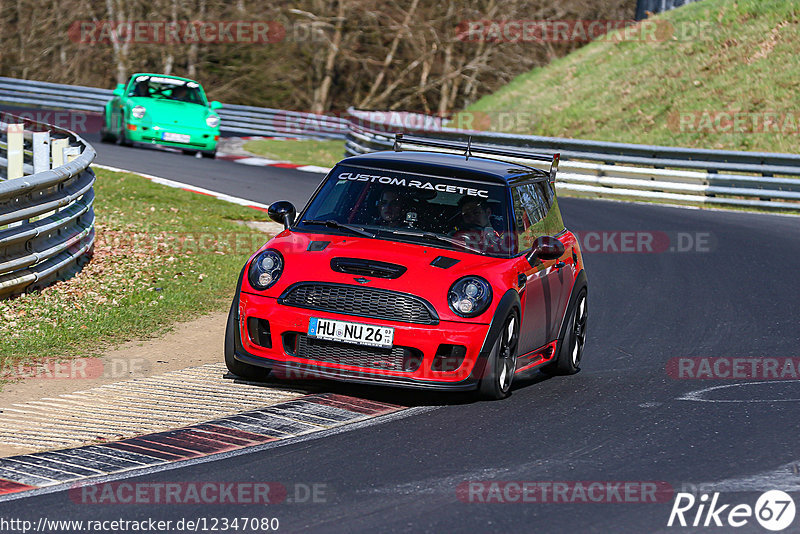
pixel 235 119
pixel 616 170
pixel 46 196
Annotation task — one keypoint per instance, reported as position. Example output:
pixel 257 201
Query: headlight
pixel 469 296
pixel 138 112
pixel 265 269
pixel 212 121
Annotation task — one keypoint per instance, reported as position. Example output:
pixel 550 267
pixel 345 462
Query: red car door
pixel 546 282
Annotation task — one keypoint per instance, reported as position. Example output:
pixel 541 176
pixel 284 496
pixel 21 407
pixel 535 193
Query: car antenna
pixel 468 153
pixel 398 137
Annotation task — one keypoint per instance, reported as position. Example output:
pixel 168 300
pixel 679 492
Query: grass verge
pixel 161 255
pixel 302 152
pixel 723 57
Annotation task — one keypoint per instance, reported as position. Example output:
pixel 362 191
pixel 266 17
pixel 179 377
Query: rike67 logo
pixel 774 510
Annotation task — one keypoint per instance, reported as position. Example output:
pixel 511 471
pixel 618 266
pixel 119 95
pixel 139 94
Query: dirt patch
pixel 765 47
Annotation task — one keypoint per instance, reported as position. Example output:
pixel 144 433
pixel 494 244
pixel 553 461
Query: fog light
pixel 258 332
pixel 448 358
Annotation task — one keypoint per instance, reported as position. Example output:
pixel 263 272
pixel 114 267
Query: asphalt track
pixel 619 419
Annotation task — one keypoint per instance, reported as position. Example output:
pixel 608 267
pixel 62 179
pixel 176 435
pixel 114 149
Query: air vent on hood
pixel 361 267
pixel 444 262
pixel 317 246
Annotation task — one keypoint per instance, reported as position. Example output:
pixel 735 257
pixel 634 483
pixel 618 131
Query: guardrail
pixel 588 168
pixel 236 119
pixel 617 170
pixel 46 197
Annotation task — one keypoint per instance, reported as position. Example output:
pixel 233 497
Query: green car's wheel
pixel 107 137
pixel 123 137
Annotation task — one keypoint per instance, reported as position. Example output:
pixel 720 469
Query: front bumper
pixel 285 322
pixel 199 138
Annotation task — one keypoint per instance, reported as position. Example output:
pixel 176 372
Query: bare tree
pixel 381 54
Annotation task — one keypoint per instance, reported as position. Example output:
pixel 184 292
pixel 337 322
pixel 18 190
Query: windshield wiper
pixel 339 226
pixel 438 237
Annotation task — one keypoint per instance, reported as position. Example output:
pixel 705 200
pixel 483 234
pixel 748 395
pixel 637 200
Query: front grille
pixel 360 301
pixel 394 359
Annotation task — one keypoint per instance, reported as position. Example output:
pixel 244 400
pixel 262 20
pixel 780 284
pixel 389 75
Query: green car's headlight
pixel 138 112
pixel 212 121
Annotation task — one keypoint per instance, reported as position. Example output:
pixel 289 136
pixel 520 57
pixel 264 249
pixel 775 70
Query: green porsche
pixel 162 110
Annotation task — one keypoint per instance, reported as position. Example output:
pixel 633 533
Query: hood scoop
pixel 318 246
pixel 361 267
pixel 443 262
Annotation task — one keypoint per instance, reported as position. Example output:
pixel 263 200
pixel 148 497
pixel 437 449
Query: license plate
pixel 176 138
pixel 346 332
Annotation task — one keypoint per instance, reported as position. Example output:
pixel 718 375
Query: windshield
pixel 438 211
pixel 167 89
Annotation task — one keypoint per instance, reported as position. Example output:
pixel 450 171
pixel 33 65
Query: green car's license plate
pixel 176 138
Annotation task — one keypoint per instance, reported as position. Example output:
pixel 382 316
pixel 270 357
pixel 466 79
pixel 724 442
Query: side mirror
pixel 119 90
pixel 546 248
pixel 215 104
pixel 283 212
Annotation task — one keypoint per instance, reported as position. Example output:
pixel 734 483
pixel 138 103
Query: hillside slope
pixel 728 77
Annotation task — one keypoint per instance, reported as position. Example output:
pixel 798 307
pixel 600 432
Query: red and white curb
pixel 263 162
pixel 255 429
pixel 190 188
pixel 260 137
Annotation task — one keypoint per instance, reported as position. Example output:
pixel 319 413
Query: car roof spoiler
pixel 469 148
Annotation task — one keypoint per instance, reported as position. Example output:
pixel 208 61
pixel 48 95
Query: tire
pixel 240 369
pixel 211 154
pixel 123 137
pixel 502 362
pixel 107 137
pixel 572 339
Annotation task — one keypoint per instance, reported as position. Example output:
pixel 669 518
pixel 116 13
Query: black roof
pixel 450 165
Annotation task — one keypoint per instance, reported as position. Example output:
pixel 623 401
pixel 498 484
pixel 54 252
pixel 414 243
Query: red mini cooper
pixel 416 269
